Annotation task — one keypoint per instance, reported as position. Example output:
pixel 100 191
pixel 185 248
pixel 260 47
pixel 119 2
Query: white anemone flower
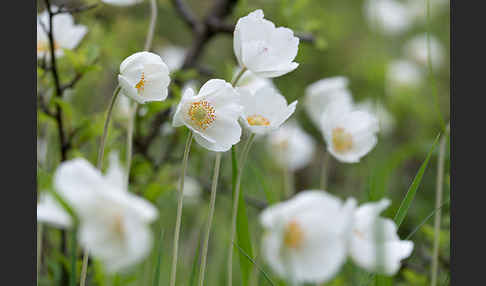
pixel 51 212
pixel 114 224
pixel 291 147
pixel 350 135
pixel 404 73
pixel 265 110
pixel 416 49
pixel 385 118
pixel 122 2
pixel 253 82
pixel 322 93
pixel 375 252
pixel 264 49
pixel 144 77
pixel 212 115
pixel 389 16
pixel 306 237
pixel 173 56
pixel 66 34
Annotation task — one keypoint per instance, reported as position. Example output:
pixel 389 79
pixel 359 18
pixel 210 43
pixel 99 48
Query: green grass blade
pixel 412 190
pixel 194 272
pixel 417 228
pixel 159 259
pixel 254 263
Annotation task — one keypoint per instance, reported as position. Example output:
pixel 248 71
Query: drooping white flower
pixel 350 135
pixel 390 16
pixel 51 212
pixel 122 2
pixel 253 82
pixel 291 147
pixel 385 119
pixel 173 56
pixel 265 110
pixel 264 49
pixel 144 77
pixel 403 73
pixel 305 238
pixel 212 115
pixel 416 49
pixel 66 34
pixel 114 224
pixel 321 94
pixel 374 243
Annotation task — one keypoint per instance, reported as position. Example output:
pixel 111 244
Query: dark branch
pixel 186 13
pixel 73 82
pixel 306 37
pixel 74 10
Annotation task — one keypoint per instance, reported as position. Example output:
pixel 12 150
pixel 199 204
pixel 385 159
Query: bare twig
pixel 63 10
pixel 185 13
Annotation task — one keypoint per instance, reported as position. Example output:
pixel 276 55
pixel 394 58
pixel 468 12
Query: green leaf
pixel 244 254
pixel 407 201
pixel 159 259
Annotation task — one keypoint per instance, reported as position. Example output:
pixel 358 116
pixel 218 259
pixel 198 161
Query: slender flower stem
pixel 133 115
pixel 242 160
pixel 39 249
pixel 99 165
pixel 438 203
pixel 324 170
pixel 214 187
pixel 238 76
pixel 288 177
pixel 177 229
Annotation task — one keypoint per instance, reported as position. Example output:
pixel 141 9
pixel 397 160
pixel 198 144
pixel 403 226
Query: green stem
pixel 214 187
pixel 324 170
pixel 242 160
pixel 73 258
pixel 238 76
pixel 177 229
pixel 99 165
pixel 39 248
pixel 131 124
pixel 438 203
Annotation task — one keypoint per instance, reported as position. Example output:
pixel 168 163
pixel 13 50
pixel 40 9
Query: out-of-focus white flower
pixel 66 34
pixel 42 151
pixel 123 108
pixel 385 119
pixel 252 82
pixel 51 212
pixel 416 49
pixel 367 243
pixel 212 115
pixel 173 56
pixel 350 135
pixel 320 95
pixel 418 8
pixel 265 110
pixel 144 77
pixel 403 73
pixel 122 2
pixel 390 16
pixel 114 224
pixel 264 49
pixel 305 238
pixel 291 147
pixel 192 190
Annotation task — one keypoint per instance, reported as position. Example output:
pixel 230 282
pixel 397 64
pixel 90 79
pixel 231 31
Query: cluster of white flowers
pixel 114 224
pixel 309 237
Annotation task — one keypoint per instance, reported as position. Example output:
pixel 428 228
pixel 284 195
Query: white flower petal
pixel 115 175
pixel 51 212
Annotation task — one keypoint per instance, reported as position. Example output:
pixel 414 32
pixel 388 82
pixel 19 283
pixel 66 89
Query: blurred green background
pixel 345 43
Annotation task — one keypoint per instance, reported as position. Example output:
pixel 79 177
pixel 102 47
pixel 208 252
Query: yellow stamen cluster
pixel 341 140
pixel 202 113
pixel 44 46
pixel 118 226
pixel 294 235
pixel 140 85
pixel 257 120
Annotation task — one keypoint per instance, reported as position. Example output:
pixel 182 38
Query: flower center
pixel 141 84
pixel 202 114
pixel 294 235
pixel 257 120
pixel 118 227
pixel 341 140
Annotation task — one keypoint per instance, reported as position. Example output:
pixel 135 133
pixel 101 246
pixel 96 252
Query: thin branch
pixel 62 9
pixel 186 13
